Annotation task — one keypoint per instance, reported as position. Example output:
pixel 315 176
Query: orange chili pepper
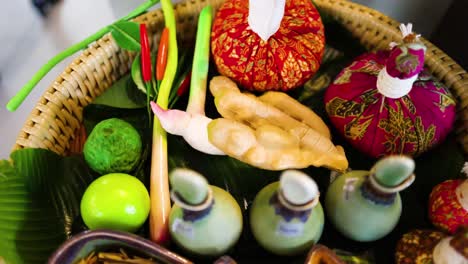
pixel 162 54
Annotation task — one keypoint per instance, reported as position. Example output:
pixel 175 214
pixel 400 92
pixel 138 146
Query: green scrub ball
pixel 113 146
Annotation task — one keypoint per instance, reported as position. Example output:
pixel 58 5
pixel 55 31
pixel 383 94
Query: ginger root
pixel 273 131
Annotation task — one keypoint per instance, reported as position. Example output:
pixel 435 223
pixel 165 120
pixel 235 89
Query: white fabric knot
pixel 265 17
pixel 393 87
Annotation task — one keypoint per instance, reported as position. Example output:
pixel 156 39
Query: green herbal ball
pixel 113 146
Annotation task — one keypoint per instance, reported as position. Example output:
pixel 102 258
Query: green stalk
pixel 172 56
pixel 18 99
pixel 148 99
pixel 159 182
pixel 201 62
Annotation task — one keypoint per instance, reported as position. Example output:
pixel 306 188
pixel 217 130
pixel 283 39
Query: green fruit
pixel 113 146
pixel 115 201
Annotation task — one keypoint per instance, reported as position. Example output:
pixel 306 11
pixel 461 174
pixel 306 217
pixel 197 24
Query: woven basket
pixel 54 122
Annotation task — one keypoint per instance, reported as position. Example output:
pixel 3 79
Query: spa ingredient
pixel 120 257
pixel 115 201
pixel 268 44
pixel 113 146
pixel 256 131
pixel 385 103
pixel 192 124
pixel 159 182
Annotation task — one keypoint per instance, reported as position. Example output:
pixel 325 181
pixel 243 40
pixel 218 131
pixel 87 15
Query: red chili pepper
pixel 162 54
pixel 184 86
pixel 145 54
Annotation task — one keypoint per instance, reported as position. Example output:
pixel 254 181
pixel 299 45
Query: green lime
pixel 115 201
pixel 114 145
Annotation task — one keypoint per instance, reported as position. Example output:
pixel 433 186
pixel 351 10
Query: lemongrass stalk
pixel 201 61
pixel 159 182
pixel 18 99
pixel 193 124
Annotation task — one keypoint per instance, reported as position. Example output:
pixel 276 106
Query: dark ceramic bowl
pixel 81 245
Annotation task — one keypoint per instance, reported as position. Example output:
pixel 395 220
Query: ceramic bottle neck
pixel 194 212
pixel 295 196
pixel 288 211
pixel 372 190
pixel 296 207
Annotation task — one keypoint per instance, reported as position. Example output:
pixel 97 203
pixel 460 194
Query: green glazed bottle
pixel 286 216
pixel 365 205
pixel 205 220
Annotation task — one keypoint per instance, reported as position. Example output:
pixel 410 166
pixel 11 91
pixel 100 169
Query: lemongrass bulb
pixel 192 127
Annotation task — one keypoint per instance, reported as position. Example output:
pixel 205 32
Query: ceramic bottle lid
pixel 190 190
pixel 298 189
pixel 393 173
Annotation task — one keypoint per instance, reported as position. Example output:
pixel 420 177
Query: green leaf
pixel 136 74
pixel 184 67
pixel 40 195
pixel 6 169
pixel 134 94
pixel 137 77
pixel 126 34
pixel 118 96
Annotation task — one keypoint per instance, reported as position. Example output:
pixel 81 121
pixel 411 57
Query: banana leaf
pixel 40 194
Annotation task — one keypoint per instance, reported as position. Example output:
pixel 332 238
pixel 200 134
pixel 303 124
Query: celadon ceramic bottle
pixel 205 220
pixel 365 205
pixel 286 217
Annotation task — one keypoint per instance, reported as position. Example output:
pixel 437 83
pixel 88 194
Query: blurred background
pixel 33 31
